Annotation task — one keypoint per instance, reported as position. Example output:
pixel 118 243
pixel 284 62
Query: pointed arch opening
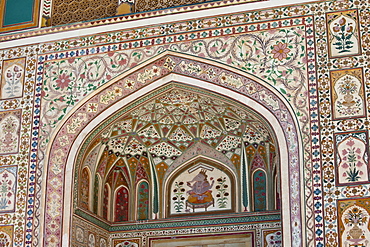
pixel 156 167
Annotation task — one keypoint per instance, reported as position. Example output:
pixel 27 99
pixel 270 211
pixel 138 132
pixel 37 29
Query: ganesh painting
pixel 201 189
pixel 200 194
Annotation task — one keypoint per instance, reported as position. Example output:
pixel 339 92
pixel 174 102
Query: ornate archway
pixel 156 74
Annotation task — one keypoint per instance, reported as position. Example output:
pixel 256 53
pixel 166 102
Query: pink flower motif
pixel 350 143
pixel 336 29
pixel 280 51
pixel 345 165
pixel 359 164
pixel 344 174
pixel 213 48
pixel 342 21
pixel 122 62
pixel 358 150
pixel 63 81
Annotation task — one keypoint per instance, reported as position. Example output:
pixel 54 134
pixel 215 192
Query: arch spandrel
pixel 163 70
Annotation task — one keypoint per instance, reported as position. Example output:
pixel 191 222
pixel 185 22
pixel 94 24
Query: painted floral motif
pixel 13 86
pixel 178 197
pixel 349 105
pixel 62 81
pixel 343 33
pixel 280 51
pixel 103 242
pixel 106 202
pixel 356 233
pixel 68 81
pixel 80 234
pixel 9 134
pixel 274 239
pixel 143 201
pixel 127 244
pixel 91 242
pixel 121 205
pixel 222 193
pixel 85 190
pixel 352 167
pixel 7 189
pixel 259 187
pixel 5 240
pixel 348 93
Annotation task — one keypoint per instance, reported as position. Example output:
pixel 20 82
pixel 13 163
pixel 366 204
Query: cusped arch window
pixel 183 152
pixel 201 186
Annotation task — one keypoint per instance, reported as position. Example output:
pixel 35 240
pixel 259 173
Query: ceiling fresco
pixel 171 124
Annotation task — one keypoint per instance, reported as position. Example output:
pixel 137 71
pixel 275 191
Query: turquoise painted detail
pixel 96 194
pixel 252 218
pixel 244 179
pixel 143 201
pixel 259 187
pixel 18 12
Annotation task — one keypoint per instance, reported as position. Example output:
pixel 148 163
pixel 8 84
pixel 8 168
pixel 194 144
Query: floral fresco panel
pixel 343 33
pixel 352 158
pixel 126 242
pixel 12 78
pixel 272 238
pixel 347 93
pixel 354 217
pixel 8 186
pixel 10 123
pixel 6 236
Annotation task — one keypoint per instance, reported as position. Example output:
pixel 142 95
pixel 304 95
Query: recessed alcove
pixel 179 156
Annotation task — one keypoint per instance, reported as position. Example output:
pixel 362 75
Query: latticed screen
pixel 147 5
pixel 71 11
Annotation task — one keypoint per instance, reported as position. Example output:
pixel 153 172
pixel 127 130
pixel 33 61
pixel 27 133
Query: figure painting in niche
pixel 200 189
pixel 200 194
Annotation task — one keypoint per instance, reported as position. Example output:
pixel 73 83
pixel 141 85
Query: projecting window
pixel 19 14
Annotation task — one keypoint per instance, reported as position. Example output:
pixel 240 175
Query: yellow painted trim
pixel 14 27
